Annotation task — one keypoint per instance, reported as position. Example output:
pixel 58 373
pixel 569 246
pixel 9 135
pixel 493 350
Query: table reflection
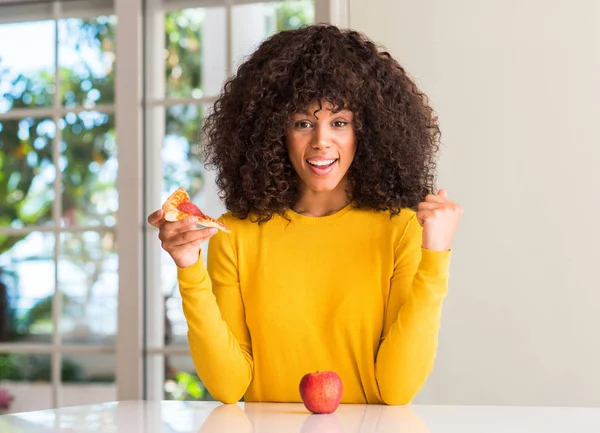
pixel 275 417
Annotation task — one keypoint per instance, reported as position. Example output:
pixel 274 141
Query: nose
pixel 322 138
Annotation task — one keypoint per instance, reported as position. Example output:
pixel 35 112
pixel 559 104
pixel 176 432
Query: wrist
pixel 187 262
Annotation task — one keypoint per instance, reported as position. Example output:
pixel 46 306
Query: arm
pixel 219 339
pixel 418 286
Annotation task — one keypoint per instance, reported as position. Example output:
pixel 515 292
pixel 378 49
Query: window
pixel 201 47
pixel 58 261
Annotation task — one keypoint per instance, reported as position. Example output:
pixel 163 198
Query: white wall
pixel 516 87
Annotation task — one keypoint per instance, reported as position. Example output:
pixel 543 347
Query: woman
pixel 339 253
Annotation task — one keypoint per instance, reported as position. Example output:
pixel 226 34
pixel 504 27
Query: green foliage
pixel 185 386
pixel 8 367
pixel 183 60
pixel 9 322
pixel 192 385
pixel 294 14
pixel 37 368
pixel 15 326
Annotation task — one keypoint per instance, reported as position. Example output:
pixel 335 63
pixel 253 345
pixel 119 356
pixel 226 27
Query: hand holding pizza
pixel 177 223
pixel 439 217
pixel 181 239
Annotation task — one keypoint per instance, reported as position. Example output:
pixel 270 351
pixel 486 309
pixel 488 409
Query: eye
pixel 302 124
pixel 340 123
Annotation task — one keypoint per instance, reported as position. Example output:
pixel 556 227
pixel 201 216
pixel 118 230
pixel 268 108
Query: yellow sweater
pixel 353 292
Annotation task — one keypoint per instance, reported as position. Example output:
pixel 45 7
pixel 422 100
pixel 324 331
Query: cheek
pixel 350 150
pixel 294 149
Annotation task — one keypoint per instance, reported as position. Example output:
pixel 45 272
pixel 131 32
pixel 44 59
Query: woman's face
pixel 321 146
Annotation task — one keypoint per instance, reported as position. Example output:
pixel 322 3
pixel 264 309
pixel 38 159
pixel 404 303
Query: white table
pixel 199 417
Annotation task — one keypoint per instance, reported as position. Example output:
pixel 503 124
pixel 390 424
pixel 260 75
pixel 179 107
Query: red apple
pixel 321 391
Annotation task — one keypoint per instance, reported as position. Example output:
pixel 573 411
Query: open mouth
pixel 321 166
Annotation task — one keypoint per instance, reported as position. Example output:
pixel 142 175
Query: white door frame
pixel 129 136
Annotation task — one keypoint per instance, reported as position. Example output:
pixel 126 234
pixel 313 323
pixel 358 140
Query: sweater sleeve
pixel 412 320
pixel 217 333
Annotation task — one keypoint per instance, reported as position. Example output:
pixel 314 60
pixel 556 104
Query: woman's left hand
pixel 439 217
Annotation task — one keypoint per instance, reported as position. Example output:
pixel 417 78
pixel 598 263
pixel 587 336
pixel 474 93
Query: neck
pixel 318 204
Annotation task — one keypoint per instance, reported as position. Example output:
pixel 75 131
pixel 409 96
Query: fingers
pixel 422 215
pixel 156 218
pixel 435 198
pixel 425 209
pixel 191 237
pixel 432 204
pixel 170 228
pixel 424 205
pixel 440 197
pixel 174 234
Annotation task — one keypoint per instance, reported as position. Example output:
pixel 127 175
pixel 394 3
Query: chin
pixel 321 188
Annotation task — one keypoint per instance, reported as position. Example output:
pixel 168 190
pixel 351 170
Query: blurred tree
pixel 87 151
pixel 26 150
pixel 293 14
pixel 37 368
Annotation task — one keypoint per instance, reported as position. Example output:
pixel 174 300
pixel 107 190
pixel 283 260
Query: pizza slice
pixel 179 206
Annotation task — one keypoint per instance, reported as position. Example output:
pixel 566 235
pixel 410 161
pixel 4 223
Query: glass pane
pixel 26 172
pixel 88 163
pixel 87 276
pixel 181 380
pixel 27 64
pixel 27 275
pixel 88 379
pixel 182 153
pixel 254 22
pixel 195 42
pixel 86 57
pixel 25 382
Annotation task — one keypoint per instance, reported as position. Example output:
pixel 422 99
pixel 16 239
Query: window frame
pixel 54 11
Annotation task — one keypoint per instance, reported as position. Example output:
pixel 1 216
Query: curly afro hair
pixel 396 129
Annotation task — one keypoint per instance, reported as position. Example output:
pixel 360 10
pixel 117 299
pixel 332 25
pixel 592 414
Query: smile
pixel 322 163
pixel 322 167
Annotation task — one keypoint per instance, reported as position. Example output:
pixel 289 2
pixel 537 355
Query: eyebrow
pixel 305 111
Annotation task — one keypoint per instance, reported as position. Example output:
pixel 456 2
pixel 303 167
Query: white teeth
pixel 322 163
